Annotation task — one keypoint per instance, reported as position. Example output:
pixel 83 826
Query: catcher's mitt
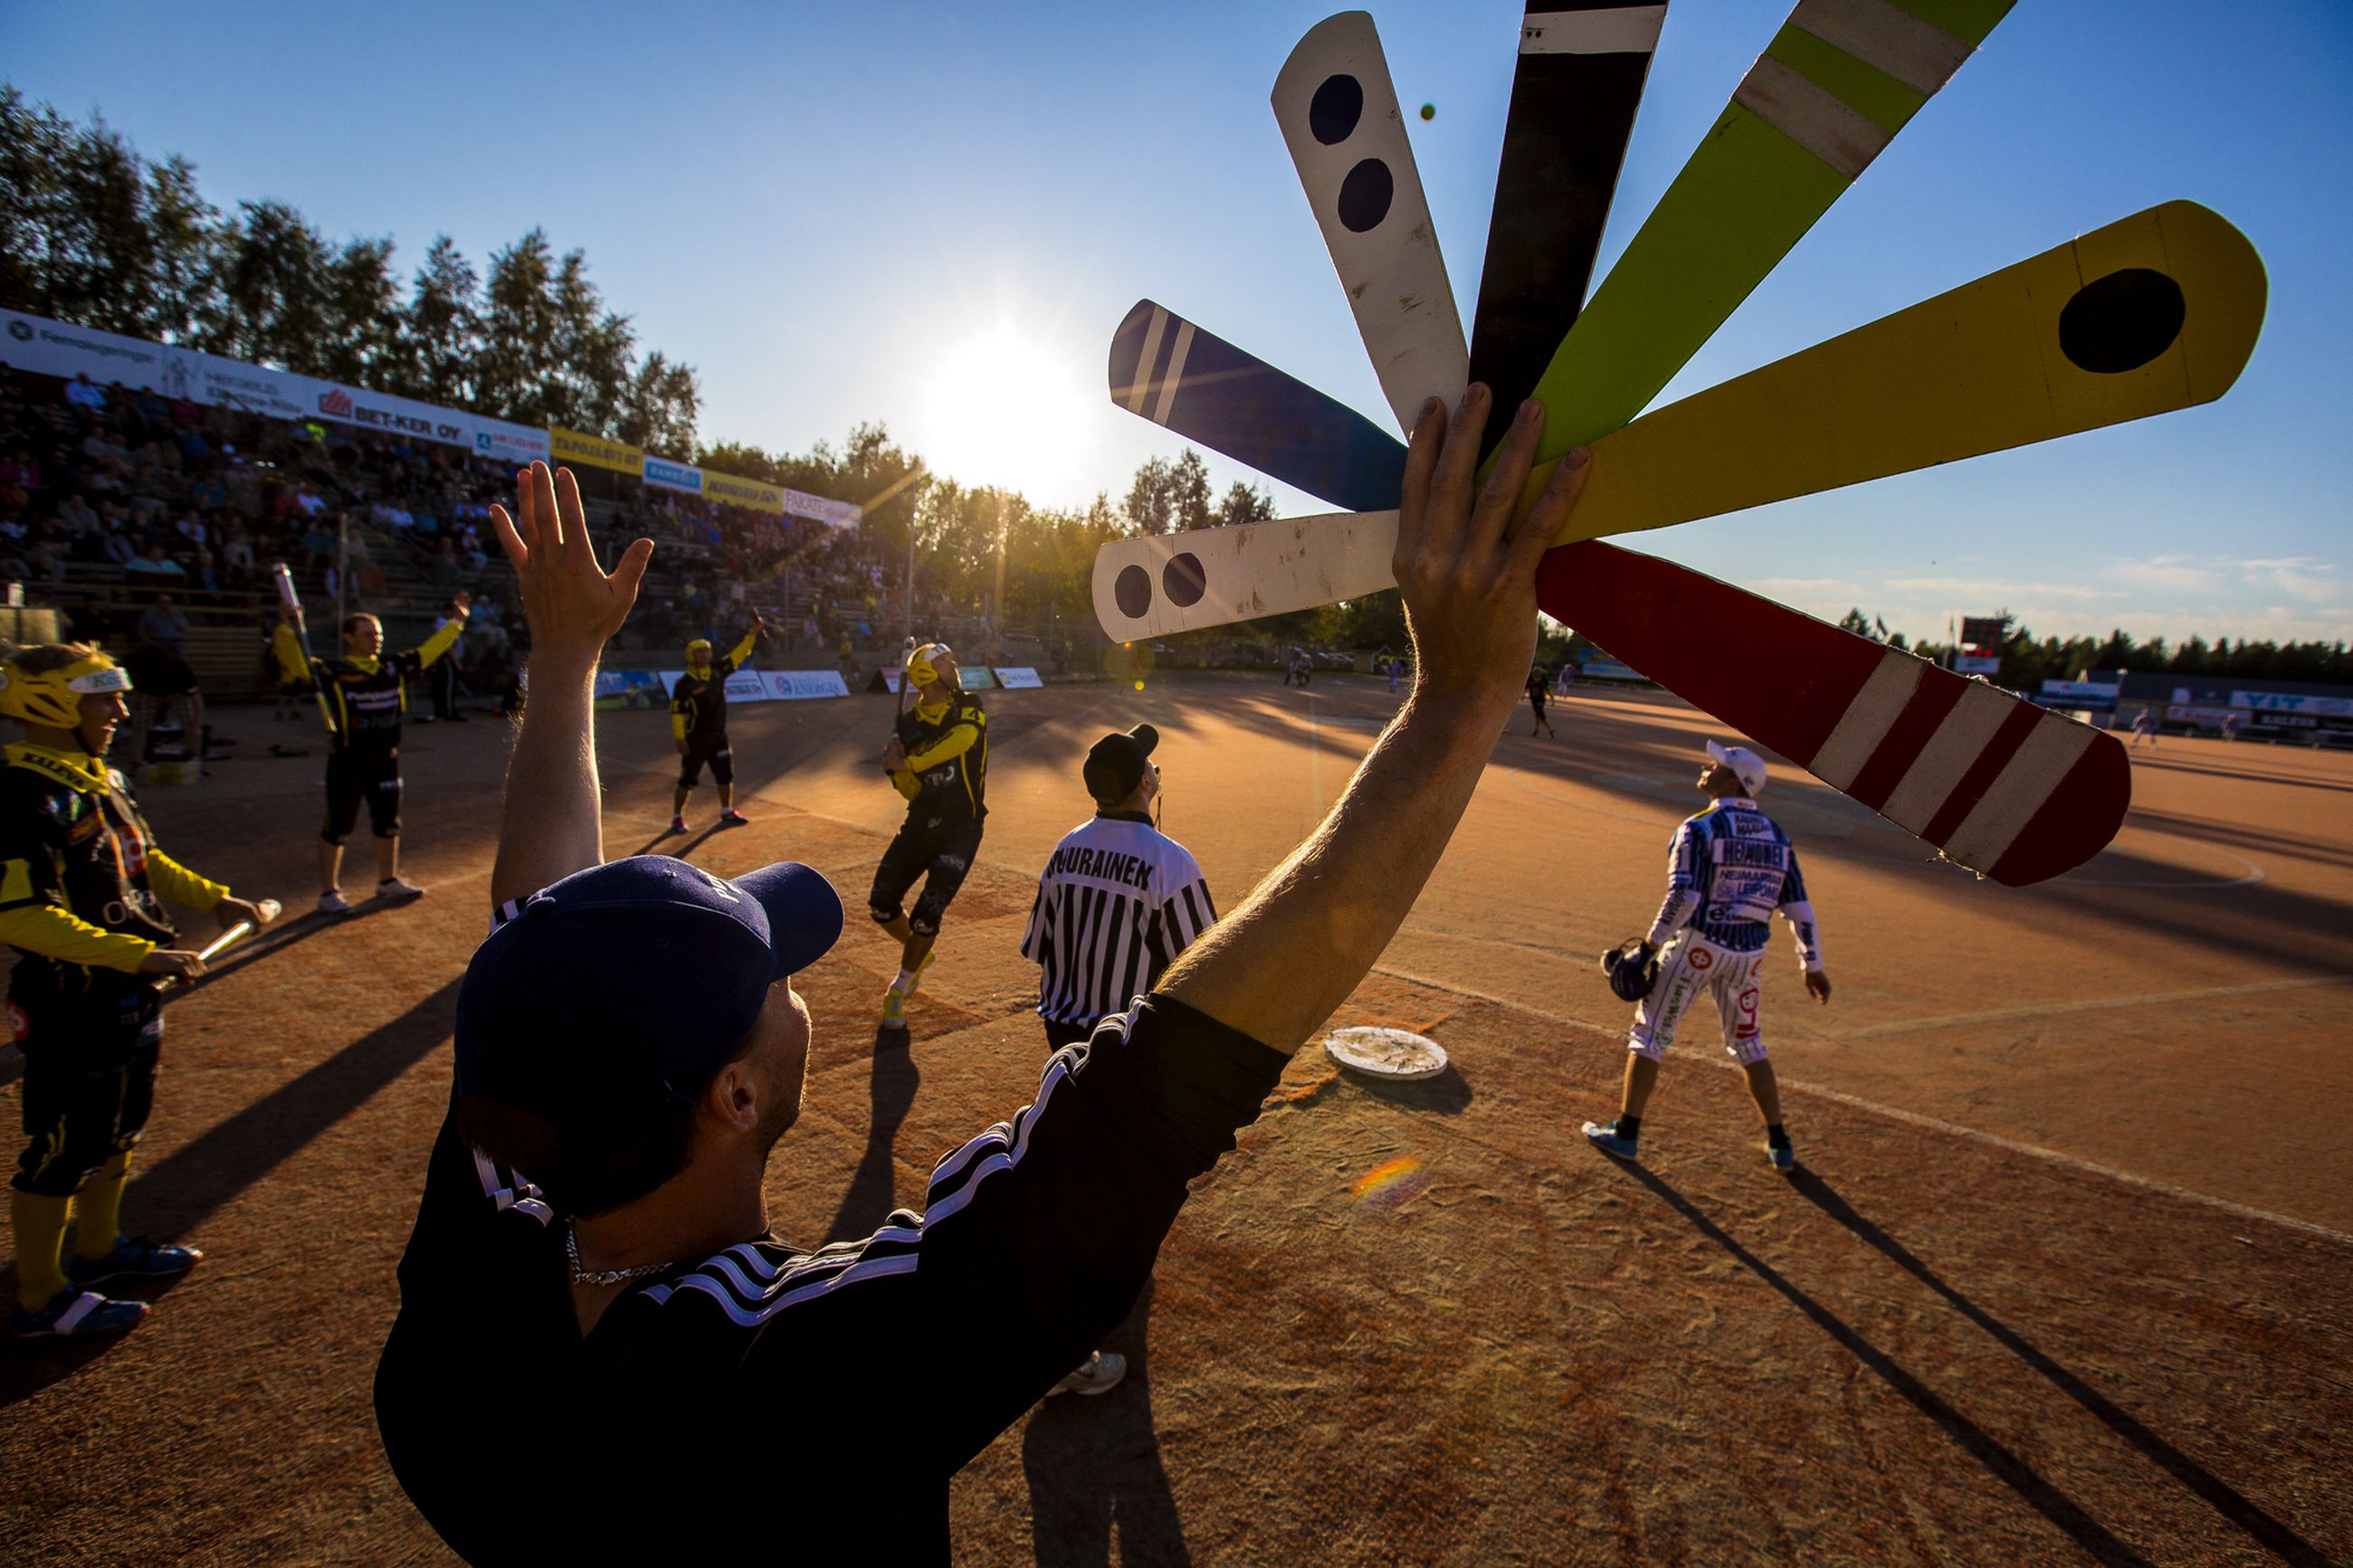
pixel 1633 967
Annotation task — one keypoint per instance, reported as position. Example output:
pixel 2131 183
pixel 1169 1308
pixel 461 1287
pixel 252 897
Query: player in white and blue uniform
pixel 1728 870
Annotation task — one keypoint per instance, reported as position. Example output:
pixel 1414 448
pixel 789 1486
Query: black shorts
pixel 715 753
pixel 354 777
pixel 1058 1034
pixel 89 1074
pixel 941 855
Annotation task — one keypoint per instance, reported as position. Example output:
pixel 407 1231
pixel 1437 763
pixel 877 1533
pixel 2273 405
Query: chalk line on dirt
pixel 1915 1118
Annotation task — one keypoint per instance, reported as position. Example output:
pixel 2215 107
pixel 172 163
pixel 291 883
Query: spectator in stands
pixel 156 564
pixel 82 394
pixel 161 683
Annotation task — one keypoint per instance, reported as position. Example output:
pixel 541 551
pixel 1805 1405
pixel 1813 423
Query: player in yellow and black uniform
pixel 364 693
pixel 80 879
pixel 698 722
pixel 939 760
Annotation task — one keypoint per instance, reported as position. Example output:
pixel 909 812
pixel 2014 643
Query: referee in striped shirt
pixel 1118 901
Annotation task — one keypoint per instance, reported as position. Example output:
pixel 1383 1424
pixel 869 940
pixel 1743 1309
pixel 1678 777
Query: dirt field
pixel 2063 1276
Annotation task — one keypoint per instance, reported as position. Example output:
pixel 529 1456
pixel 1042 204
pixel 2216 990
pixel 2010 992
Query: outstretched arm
pixel 1277 966
pixel 551 827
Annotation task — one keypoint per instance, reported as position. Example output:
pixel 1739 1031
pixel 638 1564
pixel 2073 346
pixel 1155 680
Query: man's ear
pixel 732 1097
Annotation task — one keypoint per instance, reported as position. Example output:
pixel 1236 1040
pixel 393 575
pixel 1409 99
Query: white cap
pixel 1746 765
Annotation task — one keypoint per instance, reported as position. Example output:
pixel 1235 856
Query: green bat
pixel 1833 87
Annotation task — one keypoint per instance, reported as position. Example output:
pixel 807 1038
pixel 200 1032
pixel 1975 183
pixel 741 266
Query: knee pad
pixel 883 917
pixel 925 921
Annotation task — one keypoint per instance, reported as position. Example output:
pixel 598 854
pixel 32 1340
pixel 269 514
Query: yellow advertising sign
pixel 743 492
pixel 571 446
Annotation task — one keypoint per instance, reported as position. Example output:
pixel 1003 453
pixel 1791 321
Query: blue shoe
pixel 77 1314
pixel 1604 1137
pixel 1784 1159
pixel 133 1258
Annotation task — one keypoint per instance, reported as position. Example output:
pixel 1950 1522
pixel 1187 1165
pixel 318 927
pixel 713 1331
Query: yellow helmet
pixel 924 664
pixel 53 697
pixel 699 650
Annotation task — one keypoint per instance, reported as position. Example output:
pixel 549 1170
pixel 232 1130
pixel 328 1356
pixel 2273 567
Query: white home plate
pixel 1386 1053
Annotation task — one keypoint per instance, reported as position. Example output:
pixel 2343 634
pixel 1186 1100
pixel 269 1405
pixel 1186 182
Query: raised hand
pixel 573 605
pixel 1466 568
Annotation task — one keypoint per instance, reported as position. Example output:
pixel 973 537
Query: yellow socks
pixel 39 1223
pixel 101 1208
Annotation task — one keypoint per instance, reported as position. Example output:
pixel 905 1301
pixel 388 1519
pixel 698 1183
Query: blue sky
pixel 822 206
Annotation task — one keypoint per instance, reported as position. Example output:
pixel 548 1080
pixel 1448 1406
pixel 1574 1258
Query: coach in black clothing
pixel 600 1349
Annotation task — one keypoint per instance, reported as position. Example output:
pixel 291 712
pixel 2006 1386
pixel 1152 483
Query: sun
pixel 1004 410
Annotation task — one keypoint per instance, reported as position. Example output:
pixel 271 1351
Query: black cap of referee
pixel 1116 764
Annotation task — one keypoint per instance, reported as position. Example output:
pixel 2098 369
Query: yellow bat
pixel 2153 313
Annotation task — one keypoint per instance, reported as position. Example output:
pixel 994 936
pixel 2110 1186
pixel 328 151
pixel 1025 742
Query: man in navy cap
pixel 601 1350
pixel 1118 899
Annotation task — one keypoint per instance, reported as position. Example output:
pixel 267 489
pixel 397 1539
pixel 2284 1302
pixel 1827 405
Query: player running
pixel 1729 868
pixel 698 722
pixel 79 876
pixel 1539 689
pixel 364 693
pixel 939 760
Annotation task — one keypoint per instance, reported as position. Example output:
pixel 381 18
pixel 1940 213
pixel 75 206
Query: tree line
pixel 2027 661
pixel 93 234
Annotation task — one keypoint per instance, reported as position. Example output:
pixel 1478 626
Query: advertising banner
pixel 975 678
pixel 390 415
pixel 1977 663
pixel 1599 668
pixel 507 445
pixel 798 685
pixel 2091 694
pixel 52 348
pixel 2287 702
pixel 1018 678
pixel 672 476
pixel 833 513
pixel 744 686
pixel 743 492
pixel 631 688
pixel 595 451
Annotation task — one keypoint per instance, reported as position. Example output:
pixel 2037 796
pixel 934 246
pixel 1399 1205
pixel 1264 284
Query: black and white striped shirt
pixel 1116 904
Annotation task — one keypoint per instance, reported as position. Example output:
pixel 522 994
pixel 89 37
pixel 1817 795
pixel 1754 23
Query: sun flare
pixel 1005 410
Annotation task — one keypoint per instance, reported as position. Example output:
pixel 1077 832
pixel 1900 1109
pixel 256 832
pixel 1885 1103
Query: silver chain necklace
pixel 602 1276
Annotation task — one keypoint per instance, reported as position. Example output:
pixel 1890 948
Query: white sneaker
pixel 1099 1373
pixel 333 903
pixel 398 888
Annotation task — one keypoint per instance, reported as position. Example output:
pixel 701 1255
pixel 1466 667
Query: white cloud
pixel 2169 573
pixel 2312 582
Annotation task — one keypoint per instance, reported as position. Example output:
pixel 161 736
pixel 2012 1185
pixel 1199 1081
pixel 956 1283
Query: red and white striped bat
pixel 2008 789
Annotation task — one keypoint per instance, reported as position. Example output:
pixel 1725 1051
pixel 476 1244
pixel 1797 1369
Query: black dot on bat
pixel 1332 113
pixel 1365 196
pixel 1182 580
pixel 1133 589
pixel 2122 322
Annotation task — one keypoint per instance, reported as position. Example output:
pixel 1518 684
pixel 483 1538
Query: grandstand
pixel 110 495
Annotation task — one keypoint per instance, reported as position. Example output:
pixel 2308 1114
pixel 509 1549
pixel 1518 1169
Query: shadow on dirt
pixel 1449 1093
pixel 872 1194
pixel 1094 1466
pixel 1999 1462
pixel 2224 1498
pixel 182 1190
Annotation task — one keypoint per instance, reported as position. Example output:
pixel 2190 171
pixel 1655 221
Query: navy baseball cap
pixel 634 979
pixel 1115 764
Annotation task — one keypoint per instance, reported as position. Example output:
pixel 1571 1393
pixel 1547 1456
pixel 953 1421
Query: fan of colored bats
pixel 2157 311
